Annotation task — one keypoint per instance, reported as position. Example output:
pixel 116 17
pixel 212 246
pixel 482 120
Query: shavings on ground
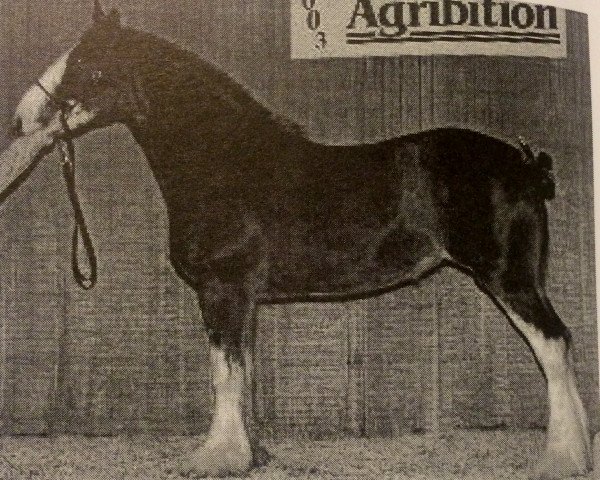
pixel 464 455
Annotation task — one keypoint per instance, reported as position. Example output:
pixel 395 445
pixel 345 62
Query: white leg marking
pixel 568 449
pixel 227 450
pixel 228 383
pixel 34 104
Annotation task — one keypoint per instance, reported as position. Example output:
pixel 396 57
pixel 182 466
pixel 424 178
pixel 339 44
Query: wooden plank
pixel 133 354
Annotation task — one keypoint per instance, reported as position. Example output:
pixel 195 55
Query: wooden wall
pixel 132 356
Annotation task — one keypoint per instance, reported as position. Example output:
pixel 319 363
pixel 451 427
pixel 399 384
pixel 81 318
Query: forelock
pixel 96 40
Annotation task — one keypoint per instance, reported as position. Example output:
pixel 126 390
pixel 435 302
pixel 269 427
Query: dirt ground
pixel 464 455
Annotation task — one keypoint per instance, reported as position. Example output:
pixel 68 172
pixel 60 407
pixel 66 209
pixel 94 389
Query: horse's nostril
pixel 17 127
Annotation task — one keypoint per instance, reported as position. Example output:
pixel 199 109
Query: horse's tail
pixel 540 168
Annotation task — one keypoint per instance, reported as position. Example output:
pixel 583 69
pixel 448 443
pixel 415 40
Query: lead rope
pixel 67 149
pixel 80 229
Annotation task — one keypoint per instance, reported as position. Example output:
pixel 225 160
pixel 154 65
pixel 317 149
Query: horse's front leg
pixel 228 310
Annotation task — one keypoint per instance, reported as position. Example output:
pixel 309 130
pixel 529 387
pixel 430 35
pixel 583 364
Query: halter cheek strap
pixel 59 102
pixel 80 229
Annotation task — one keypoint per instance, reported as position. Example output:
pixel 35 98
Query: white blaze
pixel 40 124
pixel 33 105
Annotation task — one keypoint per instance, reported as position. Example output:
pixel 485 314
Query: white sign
pixel 359 28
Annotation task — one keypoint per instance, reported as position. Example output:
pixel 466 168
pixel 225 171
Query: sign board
pixel 359 28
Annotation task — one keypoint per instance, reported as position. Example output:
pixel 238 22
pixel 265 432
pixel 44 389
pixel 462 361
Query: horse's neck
pixel 192 102
pixel 188 130
pixel 200 123
pixel 183 90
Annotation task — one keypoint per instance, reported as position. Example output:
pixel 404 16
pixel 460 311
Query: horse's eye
pixel 97 76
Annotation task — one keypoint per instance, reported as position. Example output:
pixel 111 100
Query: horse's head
pixel 89 83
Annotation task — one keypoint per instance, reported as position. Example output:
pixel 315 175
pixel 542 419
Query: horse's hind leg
pixel 516 284
pixel 567 446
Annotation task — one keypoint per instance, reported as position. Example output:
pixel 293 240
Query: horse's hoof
pixel 558 465
pixel 260 456
pixel 217 460
pixel 597 456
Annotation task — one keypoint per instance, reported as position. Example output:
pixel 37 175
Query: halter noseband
pixel 62 104
pixel 67 149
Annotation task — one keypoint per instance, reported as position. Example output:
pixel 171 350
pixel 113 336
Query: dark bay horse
pixel 258 213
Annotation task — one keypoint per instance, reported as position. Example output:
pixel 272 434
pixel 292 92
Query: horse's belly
pixel 341 262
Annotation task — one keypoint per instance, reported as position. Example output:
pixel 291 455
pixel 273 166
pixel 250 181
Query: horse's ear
pixel 114 17
pixel 98 12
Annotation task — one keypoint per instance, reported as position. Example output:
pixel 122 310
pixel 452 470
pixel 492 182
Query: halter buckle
pixel 65 158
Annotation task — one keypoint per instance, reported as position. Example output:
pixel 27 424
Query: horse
pixel 259 214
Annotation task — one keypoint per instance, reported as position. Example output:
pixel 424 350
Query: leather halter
pixel 67 149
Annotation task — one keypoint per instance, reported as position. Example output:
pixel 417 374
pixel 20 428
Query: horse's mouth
pixel 78 120
pixel 72 121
